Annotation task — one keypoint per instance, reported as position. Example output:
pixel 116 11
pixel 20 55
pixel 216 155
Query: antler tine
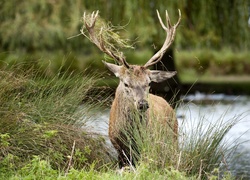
pixel 99 41
pixel 170 30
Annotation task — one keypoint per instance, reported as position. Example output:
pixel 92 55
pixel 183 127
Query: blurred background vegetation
pixel 213 38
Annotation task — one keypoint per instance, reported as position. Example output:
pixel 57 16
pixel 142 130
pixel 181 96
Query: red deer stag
pixel 133 89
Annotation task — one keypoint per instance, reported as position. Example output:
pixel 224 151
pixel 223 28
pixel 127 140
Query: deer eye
pixel 125 84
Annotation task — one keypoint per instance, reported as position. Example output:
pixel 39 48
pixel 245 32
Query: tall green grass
pixel 44 116
pixel 203 152
pixel 204 149
pixel 42 135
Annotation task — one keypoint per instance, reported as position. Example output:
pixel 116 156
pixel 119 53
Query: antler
pixel 170 30
pixel 98 39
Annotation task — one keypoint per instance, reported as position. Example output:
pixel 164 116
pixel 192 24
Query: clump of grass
pixel 44 117
pixel 204 147
pixel 151 144
pixel 201 152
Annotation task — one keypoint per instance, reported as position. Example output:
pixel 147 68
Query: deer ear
pixel 113 68
pixel 159 76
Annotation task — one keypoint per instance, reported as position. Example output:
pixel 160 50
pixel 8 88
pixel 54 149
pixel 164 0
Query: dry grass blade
pixel 104 35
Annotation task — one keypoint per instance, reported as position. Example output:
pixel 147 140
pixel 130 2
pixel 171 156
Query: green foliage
pixel 41 169
pixel 36 169
pixel 4 138
pixel 45 35
pixel 46 25
pixel 44 116
pixel 51 64
pixel 208 24
pixel 216 174
pixel 32 25
pixel 210 63
pixel 50 134
pixel 8 165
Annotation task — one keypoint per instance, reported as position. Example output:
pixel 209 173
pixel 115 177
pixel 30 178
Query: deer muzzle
pixel 143 105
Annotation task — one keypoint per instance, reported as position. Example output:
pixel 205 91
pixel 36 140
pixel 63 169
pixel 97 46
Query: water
pixel 222 108
pixel 214 108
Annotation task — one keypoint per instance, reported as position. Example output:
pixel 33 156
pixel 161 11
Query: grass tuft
pixel 43 117
pixel 201 150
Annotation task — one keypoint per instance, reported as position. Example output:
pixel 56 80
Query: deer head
pixel 134 79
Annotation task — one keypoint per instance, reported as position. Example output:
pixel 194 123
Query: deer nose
pixel 143 105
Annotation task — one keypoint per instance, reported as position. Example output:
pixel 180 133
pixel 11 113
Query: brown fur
pixel 158 108
pixel 132 92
